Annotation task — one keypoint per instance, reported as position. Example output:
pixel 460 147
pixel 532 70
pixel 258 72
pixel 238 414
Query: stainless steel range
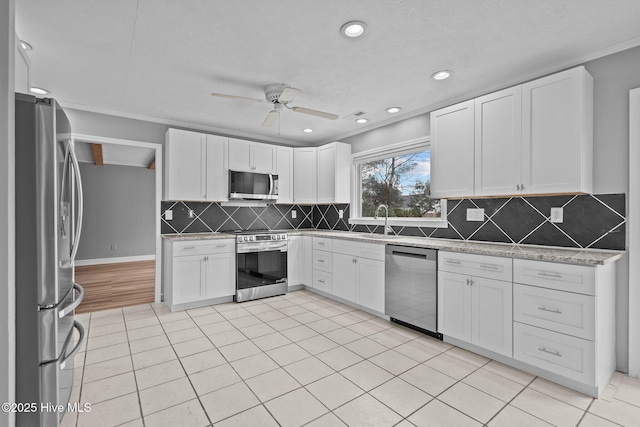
pixel 261 262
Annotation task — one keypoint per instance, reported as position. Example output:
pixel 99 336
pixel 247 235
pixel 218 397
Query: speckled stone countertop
pixel 539 253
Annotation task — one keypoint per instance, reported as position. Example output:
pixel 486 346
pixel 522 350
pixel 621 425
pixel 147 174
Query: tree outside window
pixel 400 182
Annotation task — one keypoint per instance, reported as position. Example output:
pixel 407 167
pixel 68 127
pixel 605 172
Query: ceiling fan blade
pixel 315 113
pixel 270 119
pixel 288 94
pixel 243 98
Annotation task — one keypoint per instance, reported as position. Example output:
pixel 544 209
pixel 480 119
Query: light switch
pixel 168 215
pixel 294 214
pixel 341 214
pixel 475 214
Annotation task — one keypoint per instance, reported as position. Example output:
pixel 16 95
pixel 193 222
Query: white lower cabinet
pixel 322 264
pixel 299 260
pixel 198 273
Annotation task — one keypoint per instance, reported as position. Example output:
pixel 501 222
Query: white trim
pixel 503 84
pixel 115 260
pixel 633 229
pixel 158 198
pixel 397 149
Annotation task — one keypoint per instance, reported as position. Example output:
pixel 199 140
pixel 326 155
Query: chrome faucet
pixel 386 218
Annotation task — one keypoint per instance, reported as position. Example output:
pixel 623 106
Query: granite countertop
pixel 539 253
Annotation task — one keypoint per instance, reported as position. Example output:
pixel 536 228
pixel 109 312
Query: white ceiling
pixel 160 59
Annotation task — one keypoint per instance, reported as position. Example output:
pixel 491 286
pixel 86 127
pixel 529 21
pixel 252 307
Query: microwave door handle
pixel 76 169
pixel 270 184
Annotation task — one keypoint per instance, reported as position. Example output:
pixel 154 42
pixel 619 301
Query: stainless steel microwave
pixel 252 186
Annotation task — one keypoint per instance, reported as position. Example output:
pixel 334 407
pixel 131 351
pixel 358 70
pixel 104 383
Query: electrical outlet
pixel 113 246
pixel 341 214
pixel 168 215
pixel 557 215
pixel 475 214
pixel 191 213
pixel 294 214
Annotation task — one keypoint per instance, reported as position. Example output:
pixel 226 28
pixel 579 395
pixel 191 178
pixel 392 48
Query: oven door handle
pixel 258 247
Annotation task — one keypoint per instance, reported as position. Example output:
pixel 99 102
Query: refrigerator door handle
pixel 76 302
pixel 76 169
pixel 80 329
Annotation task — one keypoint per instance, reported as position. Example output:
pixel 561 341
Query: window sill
pixel 402 222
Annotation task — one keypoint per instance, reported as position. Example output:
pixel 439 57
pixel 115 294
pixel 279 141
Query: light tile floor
pixel 302 359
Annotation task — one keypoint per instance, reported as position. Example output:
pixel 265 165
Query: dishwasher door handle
pixel 409 254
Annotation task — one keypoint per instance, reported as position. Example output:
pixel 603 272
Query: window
pixel 398 176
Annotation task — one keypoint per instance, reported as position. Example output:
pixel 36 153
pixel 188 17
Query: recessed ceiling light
pixel 353 29
pixel 441 75
pixel 39 91
pixel 25 45
pixel 393 109
pixel 308 130
pixel 362 120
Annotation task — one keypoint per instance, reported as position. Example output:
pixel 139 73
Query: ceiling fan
pixel 279 94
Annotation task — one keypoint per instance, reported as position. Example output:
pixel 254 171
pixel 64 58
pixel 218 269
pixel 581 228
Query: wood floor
pixel 116 285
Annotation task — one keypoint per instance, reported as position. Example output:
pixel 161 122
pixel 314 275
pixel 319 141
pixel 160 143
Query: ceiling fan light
pixel 393 110
pixel 39 90
pixel 362 120
pixel 353 29
pixel 441 75
pixel 307 130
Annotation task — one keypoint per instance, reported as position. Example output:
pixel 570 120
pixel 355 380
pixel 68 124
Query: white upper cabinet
pixel 535 138
pixel 498 142
pixel 195 166
pixel 285 174
pixel 334 173
pixel 249 156
pixel 452 151
pixel 304 175
pixel 557 133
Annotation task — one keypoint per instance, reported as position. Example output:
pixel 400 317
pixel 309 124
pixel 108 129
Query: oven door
pixel 261 264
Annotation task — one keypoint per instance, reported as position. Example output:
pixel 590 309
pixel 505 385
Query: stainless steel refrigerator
pixel 48 223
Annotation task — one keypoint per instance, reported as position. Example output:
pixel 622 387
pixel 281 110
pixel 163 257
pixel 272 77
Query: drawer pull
pixel 553 275
pixel 188 247
pixel 321 243
pixel 320 260
pixel 489 266
pixel 320 281
pixel 552 352
pixel 221 246
pixel 550 310
pixel 452 261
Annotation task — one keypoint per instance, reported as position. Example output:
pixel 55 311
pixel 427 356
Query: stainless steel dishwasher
pixel 411 288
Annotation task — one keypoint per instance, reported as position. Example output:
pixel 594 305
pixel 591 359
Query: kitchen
pixel 614 73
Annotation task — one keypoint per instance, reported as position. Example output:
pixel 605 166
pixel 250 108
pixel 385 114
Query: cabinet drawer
pixel 489 267
pixel 323 261
pixel 323 281
pixel 373 251
pixel 564 355
pixel 203 247
pixel 322 243
pixel 564 277
pixel 564 312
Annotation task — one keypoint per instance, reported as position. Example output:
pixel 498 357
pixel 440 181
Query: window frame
pixel 397 149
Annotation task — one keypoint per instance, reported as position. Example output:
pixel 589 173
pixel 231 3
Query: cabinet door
pixel 498 142
pixel 240 155
pixel 454 305
pixel 557 129
pixel 492 315
pixel 306 260
pixel 452 152
pixel 304 175
pixel 185 163
pixel 285 174
pixel 345 279
pixel 264 158
pixel 326 173
pixel 220 275
pixel 188 279
pixel 217 171
pixel 370 284
pixel 294 260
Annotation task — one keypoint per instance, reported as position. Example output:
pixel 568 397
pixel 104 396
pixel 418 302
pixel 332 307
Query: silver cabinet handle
pixel 220 246
pixel 554 275
pixel 552 352
pixel 469 282
pixel 489 266
pixel 320 260
pixel 320 281
pixel 320 243
pixel 188 247
pixel 452 261
pixel 550 310
pixel 518 187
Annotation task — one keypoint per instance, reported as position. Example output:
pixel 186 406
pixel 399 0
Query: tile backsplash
pixel 590 221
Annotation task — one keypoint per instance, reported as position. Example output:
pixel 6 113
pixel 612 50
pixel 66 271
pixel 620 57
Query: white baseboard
pixel 81 262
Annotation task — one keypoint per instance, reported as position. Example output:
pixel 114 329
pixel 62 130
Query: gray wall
pixel 7 204
pixel 119 208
